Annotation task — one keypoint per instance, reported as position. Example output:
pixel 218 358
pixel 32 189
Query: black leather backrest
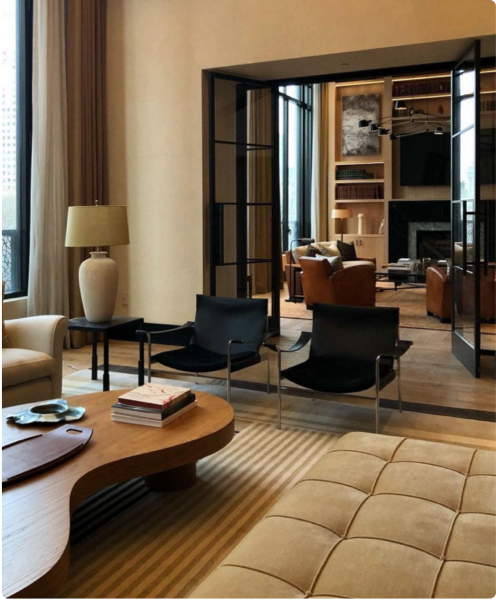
pixel 219 320
pixel 353 332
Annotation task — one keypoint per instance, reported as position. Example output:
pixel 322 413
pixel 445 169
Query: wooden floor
pixel 430 373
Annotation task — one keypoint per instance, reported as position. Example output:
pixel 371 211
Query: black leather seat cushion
pixel 339 377
pixel 195 359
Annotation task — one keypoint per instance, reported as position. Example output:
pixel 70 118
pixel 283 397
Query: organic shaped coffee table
pixel 36 512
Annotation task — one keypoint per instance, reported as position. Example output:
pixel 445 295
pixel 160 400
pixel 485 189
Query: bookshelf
pixel 430 93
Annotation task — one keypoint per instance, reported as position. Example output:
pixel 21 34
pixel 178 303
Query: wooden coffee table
pixel 36 512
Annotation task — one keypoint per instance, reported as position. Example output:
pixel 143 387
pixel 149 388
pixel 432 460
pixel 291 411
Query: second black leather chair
pixel 352 349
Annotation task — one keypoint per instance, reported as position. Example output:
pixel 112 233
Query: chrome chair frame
pixel 305 337
pixel 190 325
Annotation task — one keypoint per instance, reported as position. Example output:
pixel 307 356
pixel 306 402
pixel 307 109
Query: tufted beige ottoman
pixel 377 517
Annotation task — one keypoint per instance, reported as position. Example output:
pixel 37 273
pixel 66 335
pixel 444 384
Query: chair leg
pixel 377 395
pixel 399 387
pixel 268 370
pixel 279 396
pixel 229 385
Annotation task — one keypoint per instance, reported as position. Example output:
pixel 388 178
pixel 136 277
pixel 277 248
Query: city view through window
pixel 10 234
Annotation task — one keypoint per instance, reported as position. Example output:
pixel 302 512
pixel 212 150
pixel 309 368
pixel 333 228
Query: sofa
pixel 32 359
pixel 292 267
pixel 353 286
pixel 376 517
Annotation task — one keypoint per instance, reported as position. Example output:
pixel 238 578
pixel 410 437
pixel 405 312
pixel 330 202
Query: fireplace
pixel 419 229
pixel 433 244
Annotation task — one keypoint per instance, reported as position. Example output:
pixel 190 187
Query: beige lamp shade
pixel 89 226
pixel 341 213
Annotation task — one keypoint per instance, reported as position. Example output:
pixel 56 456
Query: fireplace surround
pixel 420 227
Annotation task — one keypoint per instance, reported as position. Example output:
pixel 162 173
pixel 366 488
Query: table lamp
pixel 341 213
pixel 97 226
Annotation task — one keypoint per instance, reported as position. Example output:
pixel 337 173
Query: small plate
pixel 49 413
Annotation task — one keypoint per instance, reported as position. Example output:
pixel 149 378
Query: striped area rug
pixel 129 542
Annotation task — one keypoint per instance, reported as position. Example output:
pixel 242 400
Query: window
pixel 16 72
pixel 295 143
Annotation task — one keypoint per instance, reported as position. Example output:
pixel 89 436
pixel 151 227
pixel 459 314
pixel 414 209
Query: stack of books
pixel 153 404
pixel 400 267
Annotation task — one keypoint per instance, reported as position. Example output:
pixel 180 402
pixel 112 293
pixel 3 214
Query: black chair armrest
pixel 303 340
pixel 261 340
pixel 187 325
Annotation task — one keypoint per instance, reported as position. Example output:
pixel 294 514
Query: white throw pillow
pixel 327 248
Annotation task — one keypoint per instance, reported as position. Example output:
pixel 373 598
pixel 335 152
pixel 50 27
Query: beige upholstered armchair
pixel 32 359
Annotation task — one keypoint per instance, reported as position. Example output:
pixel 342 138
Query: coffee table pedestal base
pixel 173 480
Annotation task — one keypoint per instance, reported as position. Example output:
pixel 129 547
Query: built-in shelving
pixel 364 201
pixel 360 181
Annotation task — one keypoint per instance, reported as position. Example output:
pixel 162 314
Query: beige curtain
pixel 260 189
pixel 48 265
pixel 87 126
pixel 320 162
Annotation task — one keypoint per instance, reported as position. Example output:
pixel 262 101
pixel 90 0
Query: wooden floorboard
pixel 430 373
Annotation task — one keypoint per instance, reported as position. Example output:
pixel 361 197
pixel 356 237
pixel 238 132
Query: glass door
pixel 244 217
pixel 466 209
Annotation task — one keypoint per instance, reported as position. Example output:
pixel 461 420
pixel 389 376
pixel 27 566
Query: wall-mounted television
pixel 425 158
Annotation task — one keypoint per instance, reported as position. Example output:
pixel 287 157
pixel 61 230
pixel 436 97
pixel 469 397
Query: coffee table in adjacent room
pixel 108 329
pixel 36 512
pixel 412 280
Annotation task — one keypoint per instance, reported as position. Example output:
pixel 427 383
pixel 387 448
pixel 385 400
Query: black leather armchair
pixel 352 349
pixel 227 334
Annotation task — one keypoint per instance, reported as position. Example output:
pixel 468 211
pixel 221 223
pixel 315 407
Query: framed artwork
pixel 356 141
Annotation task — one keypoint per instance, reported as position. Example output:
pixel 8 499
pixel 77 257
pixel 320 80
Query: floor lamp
pixel 341 213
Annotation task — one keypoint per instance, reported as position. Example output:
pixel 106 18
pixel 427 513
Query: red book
pixel 154 395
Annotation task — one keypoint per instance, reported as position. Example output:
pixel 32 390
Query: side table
pixel 107 328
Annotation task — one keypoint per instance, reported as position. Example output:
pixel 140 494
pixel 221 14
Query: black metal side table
pixel 107 328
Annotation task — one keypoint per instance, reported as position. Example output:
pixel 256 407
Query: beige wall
pixel 156 52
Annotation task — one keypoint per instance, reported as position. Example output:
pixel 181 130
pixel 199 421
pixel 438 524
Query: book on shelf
pixel 154 395
pixel 359 192
pixel 134 420
pixel 157 414
pixel 421 88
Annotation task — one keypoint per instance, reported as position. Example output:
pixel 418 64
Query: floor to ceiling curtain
pixel 320 163
pixel 48 265
pixel 69 164
pixel 87 125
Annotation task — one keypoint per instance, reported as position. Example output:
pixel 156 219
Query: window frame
pixel 24 128
pixel 304 103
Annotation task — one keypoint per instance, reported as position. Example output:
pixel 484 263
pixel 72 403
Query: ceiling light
pixel 382 131
pixel 372 127
pixel 438 131
pixel 364 122
pixel 400 105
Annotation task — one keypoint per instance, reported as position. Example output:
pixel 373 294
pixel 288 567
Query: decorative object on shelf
pixel 381 228
pixel 341 213
pixel 97 226
pixel 361 224
pixel 52 412
pixel 356 142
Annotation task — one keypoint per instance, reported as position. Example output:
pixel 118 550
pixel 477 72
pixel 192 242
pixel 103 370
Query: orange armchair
pixel 352 286
pixel 438 294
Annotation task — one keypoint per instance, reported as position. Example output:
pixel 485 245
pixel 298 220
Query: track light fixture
pixel 415 121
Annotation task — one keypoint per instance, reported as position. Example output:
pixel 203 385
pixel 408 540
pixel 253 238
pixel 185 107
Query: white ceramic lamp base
pixel 98 278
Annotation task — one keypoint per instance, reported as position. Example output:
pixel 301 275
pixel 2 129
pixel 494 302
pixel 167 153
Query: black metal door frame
pixel 466 352
pixel 216 250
